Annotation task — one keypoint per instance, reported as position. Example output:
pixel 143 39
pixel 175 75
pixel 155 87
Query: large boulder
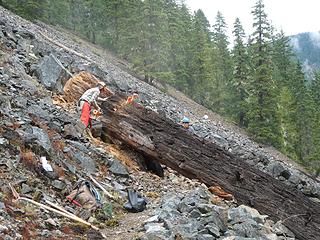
pixel 51 73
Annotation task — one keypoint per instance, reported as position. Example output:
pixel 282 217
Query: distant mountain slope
pixel 307 47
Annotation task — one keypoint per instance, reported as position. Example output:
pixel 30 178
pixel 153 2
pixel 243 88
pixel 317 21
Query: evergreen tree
pixel 263 115
pixel 29 9
pixel 240 76
pixel 179 21
pixel 221 60
pixel 299 128
pixel 129 28
pixel 151 59
pixel 92 19
pixel 285 73
pixel 282 57
pixel 57 12
pixel 116 16
pixel 200 81
pixel 312 161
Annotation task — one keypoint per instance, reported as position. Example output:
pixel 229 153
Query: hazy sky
pixel 292 16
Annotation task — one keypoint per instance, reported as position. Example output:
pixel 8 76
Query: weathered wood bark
pixel 168 143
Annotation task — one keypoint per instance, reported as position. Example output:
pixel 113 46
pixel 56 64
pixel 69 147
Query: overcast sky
pixel 292 16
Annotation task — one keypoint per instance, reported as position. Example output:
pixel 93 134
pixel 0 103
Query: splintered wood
pixel 77 85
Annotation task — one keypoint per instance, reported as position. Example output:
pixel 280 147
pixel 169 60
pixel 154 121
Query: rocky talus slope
pixel 35 62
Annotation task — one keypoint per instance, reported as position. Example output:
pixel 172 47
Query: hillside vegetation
pixel 258 84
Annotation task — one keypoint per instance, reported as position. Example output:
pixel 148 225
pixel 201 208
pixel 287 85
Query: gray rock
pixel 117 186
pixel 203 194
pixel 5 104
pixel 152 219
pixel 294 178
pixel 39 111
pixel 79 146
pixel 271 236
pixel 280 229
pixel 154 227
pixel 71 168
pixel 184 208
pixel 286 174
pixel 186 230
pixel 3 141
pixel 213 229
pixel 71 132
pixel 86 163
pixel 191 200
pixel 51 73
pixel 157 236
pixel 275 168
pixel 203 231
pixel 38 140
pixel 195 213
pixel 249 228
pixel 243 213
pixel 217 220
pixel 170 202
pixel 26 189
pixel 205 237
pixel 42 138
pixel 91 67
pixel 118 169
pixel 58 184
pixel 26 34
pixel 310 190
pixel 204 208
pixel 3 229
pixel 170 218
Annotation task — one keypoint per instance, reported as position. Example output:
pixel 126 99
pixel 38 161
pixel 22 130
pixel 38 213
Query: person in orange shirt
pixel 131 98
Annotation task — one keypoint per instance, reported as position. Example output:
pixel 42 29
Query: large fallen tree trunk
pixel 162 140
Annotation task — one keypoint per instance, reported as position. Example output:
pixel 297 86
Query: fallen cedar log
pixel 164 141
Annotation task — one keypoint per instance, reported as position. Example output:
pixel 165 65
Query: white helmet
pixel 101 84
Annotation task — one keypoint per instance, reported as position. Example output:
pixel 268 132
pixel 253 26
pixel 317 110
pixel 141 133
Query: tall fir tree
pixel 240 78
pixel 129 25
pixel 263 115
pixel 152 58
pixel 313 162
pixel 57 12
pixel 179 20
pixel 200 81
pixel 222 65
pixel 283 72
pixel 29 9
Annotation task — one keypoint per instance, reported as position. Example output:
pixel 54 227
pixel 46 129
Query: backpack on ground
pixel 85 195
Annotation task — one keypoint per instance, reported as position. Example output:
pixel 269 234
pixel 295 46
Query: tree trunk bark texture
pixel 166 142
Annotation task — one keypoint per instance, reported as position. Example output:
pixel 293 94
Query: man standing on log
pixel 88 99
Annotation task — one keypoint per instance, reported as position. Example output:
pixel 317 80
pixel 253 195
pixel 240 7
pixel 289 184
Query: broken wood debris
pixel 59 210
